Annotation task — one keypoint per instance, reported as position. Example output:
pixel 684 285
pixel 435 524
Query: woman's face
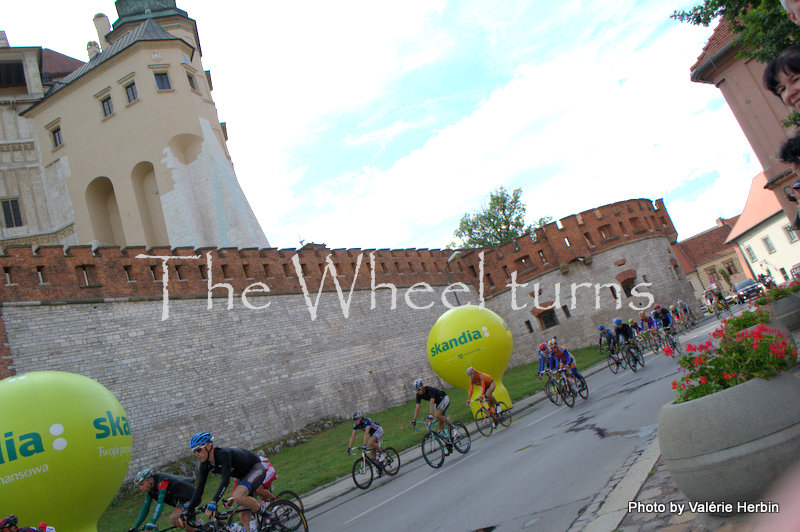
pixel 789 89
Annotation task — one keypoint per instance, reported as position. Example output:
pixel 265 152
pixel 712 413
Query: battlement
pixel 55 273
pixel 573 238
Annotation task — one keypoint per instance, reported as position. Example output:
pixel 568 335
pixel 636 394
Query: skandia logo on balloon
pixel 465 338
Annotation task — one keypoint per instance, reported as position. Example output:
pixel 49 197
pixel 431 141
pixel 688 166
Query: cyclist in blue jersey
pixel 608 336
pixel 372 436
pixel 546 360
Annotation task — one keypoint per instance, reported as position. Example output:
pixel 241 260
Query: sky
pixel 371 124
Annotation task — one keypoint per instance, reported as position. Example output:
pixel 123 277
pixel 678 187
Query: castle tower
pixel 133 141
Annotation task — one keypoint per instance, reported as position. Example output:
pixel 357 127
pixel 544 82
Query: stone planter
pixel 730 446
pixel 787 312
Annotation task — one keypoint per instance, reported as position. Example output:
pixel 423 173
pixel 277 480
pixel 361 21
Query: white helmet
pixel 470 370
pixel 417 384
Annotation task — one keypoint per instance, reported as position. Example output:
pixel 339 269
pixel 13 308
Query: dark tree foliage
pixel 761 26
pixel 497 223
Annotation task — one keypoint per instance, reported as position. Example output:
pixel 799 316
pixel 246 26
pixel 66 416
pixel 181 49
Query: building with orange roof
pixel 710 261
pixel 763 234
pixel 758 112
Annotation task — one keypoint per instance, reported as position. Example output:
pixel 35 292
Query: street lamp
pixel 454 256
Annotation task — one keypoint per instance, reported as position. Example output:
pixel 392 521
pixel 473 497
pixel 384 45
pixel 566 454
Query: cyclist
pixel 487 385
pixel 9 524
pixel 686 310
pixel 264 490
pixel 372 437
pixel 608 336
pixel 228 462
pixel 546 361
pixel 439 401
pixel 635 327
pixel 663 318
pixel 563 357
pixel 163 488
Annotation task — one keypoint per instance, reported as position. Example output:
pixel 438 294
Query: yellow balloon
pixel 471 336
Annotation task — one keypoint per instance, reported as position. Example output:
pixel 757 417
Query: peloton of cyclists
pixel 439 402
pixel 164 489
pixel 487 384
pixel 228 462
pixel 372 436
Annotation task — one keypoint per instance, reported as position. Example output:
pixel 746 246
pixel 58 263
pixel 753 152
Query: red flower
pixel 674 385
pixel 703 380
pixel 728 376
pixel 691 348
pixel 668 351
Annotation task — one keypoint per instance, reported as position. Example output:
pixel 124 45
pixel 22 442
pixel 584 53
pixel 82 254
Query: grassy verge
pixel 322 457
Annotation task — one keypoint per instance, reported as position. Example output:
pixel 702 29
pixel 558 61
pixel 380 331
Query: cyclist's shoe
pixel 380 471
pixel 449 448
pixel 264 513
pixel 381 457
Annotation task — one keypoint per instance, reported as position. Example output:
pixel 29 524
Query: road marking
pixel 541 418
pixel 411 488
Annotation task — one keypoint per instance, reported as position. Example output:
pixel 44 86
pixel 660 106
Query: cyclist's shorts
pixel 375 433
pixel 443 404
pixel 254 478
pixel 269 478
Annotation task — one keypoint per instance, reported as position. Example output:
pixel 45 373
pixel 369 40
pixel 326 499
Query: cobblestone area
pixel 659 489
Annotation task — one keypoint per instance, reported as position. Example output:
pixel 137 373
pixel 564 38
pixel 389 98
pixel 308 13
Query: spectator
pixel 792 8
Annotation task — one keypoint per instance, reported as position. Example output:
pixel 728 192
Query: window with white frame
pixel 791 235
pixel 751 254
pixel 768 244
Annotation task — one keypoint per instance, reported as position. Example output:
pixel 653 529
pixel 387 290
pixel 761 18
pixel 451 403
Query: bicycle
pixel 614 360
pixel 551 388
pixel 362 467
pixel 286 517
pixel 672 341
pixel 435 445
pixel 484 419
pixel 572 386
pixel 632 355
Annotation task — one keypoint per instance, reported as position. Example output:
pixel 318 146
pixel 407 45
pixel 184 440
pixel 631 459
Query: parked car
pixel 748 288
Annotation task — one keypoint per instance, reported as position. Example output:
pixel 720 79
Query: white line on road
pixel 411 487
pixel 541 418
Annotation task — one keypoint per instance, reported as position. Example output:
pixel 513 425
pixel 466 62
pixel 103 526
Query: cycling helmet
pixel 357 414
pixel 417 384
pixel 200 439
pixel 656 307
pixel 9 521
pixel 542 346
pixel 143 475
pixel 470 370
pixel 551 343
pixel 630 320
pixel 601 327
pixel 617 321
pixel 641 314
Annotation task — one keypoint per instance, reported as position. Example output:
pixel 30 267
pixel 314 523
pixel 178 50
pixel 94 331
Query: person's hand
pixel 349 450
pixel 211 509
pixel 430 416
pixel 413 423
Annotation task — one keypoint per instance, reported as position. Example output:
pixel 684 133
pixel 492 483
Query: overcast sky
pixel 379 124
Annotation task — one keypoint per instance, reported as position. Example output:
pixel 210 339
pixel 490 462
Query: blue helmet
pixel 200 439
pixel 601 327
pixel 618 321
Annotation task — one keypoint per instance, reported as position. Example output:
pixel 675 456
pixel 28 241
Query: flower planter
pixel 787 312
pixel 729 446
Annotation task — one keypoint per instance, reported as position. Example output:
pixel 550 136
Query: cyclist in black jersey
pixel 622 331
pixel 229 462
pixel 164 489
pixel 372 437
pixel 439 402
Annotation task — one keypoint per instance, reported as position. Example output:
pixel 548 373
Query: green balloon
pixel 65 446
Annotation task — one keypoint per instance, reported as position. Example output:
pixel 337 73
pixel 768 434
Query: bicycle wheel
pixel 639 357
pixel 289 495
pixel 675 344
pixel 583 388
pixel 362 473
pixel 630 358
pixel 563 389
pixel 503 414
pixel 432 451
pixel 551 389
pixel 461 440
pixel 483 420
pixel 613 365
pixel 288 517
pixel 391 464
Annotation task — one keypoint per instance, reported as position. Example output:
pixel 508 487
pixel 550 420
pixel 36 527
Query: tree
pixel 497 223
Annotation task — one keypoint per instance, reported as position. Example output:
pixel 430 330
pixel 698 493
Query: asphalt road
pixel 538 474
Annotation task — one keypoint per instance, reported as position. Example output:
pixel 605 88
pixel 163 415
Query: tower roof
pixel 133 10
